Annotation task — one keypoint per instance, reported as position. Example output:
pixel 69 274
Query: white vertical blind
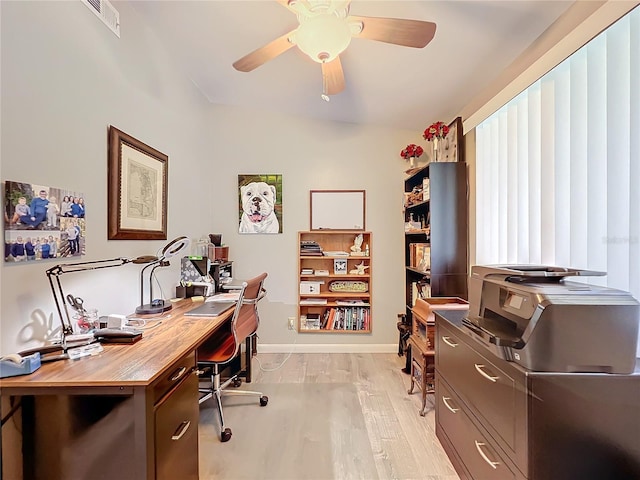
pixel 558 168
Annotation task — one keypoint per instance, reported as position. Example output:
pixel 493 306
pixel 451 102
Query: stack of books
pixel 309 247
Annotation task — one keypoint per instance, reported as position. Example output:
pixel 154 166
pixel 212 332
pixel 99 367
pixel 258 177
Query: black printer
pixel 533 316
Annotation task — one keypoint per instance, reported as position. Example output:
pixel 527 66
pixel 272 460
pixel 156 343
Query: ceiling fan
pixel 325 31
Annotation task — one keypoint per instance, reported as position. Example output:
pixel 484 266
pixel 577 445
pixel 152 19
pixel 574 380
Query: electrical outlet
pixel 292 323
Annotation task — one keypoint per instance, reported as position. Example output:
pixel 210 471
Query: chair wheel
pixel 237 382
pixel 264 400
pixel 225 435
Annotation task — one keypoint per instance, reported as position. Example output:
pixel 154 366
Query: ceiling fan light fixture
pixel 323 37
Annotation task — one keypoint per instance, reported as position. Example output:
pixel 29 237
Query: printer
pixel 533 316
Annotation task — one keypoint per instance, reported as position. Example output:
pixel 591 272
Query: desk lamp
pixel 58 293
pixel 174 247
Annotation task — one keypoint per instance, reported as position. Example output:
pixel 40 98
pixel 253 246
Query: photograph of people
pixel 53 229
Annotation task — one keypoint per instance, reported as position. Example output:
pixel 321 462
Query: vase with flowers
pixel 434 132
pixel 411 152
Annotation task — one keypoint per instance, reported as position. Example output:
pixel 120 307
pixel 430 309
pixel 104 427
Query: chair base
pixel 218 391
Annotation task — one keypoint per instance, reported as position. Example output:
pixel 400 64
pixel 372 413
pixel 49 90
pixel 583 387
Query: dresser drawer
pixel 176 431
pixel 480 456
pixel 489 391
pixel 173 375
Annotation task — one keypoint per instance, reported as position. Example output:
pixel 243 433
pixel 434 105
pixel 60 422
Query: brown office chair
pixel 222 349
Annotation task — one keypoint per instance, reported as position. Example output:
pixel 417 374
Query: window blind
pixel 558 167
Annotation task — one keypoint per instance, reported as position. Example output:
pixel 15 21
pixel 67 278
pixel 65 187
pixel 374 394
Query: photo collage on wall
pixel 42 222
pixel 260 203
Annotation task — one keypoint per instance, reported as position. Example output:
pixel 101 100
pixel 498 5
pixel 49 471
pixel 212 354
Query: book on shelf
pixel 313 301
pixel 336 253
pixel 357 303
pixel 310 247
pixel 306 271
pixel 321 273
pixel 346 318
pixel 358 254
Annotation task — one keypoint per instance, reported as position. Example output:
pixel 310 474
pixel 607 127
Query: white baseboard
pixel 327 348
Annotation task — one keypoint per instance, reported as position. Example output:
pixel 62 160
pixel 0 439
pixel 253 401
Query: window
pixel 558 168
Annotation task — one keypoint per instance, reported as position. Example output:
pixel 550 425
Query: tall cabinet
pixel 436 216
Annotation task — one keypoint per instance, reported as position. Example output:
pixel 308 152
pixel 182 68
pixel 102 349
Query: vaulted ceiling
pixel 386 84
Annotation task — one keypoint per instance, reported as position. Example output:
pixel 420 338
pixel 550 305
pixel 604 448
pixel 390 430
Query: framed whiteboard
pixel 337 209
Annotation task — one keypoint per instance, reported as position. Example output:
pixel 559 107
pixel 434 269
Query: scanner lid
pixel 528 273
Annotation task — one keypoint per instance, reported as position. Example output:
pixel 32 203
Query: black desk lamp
pixel 58 293
pixel 159 305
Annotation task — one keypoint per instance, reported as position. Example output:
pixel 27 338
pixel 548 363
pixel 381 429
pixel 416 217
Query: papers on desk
pixel 224 297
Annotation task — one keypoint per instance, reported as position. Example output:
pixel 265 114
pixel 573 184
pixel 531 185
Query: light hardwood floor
pixel 403 443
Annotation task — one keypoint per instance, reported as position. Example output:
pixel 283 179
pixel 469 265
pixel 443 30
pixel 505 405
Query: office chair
pixel 222 349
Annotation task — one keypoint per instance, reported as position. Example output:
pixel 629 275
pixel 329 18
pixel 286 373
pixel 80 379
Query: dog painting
pixel 260 203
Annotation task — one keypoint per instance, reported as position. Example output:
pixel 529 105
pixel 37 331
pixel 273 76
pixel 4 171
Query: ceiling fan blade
pixel 408 33
pixel 263 54
pixel 332 77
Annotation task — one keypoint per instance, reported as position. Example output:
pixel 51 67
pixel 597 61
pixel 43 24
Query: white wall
pixel 65 78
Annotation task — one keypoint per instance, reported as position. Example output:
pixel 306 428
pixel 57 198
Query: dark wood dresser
pixel 497 420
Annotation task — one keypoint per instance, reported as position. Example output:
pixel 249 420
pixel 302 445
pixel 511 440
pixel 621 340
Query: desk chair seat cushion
pixel 221 352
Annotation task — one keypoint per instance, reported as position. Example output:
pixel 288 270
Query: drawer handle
pixel 448 341
pixel 177 374
pixel 446 404
pixel 181 430
pixel 479 368
pixel 479 446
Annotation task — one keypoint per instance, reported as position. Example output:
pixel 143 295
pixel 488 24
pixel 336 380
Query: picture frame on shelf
pixel 137 189
pixel 340 266
pixel 450 148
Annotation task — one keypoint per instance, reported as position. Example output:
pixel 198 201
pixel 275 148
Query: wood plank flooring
pixel 403 443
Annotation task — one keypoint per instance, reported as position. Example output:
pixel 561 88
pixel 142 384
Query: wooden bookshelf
pixel 345 311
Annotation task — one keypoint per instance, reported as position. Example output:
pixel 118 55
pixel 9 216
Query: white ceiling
pixel 386 85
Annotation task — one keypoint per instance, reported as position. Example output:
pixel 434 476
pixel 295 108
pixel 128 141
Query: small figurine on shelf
pixel 357 243
pixel 360 269
pixel 411 225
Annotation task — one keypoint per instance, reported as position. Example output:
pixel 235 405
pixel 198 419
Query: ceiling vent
pixel 105 12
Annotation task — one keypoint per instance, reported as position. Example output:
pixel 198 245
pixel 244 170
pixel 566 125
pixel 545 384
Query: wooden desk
pixel 130 412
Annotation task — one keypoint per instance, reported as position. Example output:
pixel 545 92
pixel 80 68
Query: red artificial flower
pixel 435 130
pixel 411 150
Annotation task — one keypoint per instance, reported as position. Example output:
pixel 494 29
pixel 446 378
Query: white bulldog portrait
pixel 258 201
